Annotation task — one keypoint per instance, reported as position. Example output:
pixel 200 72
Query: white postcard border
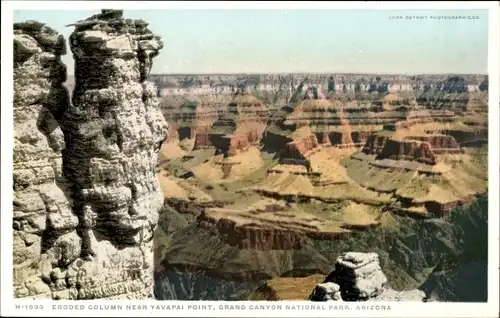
pixel 416 309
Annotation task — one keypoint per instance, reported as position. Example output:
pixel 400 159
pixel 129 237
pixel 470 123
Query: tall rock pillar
pixel 45 239
pixel 113 133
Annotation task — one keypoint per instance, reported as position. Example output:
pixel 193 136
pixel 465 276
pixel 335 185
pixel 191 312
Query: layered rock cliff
pixel 97 237
pixel 281 87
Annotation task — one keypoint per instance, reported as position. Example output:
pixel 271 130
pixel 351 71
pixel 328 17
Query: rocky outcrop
pixel 97 237
pixel 358 277
pixel 44 226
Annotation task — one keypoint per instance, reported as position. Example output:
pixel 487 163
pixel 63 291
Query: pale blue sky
pixel 323 41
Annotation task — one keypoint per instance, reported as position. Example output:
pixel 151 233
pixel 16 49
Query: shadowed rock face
pixel 44 225
pixel 99 240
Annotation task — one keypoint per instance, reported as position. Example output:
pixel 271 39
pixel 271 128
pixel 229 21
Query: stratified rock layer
pixel 97 238
pixel 113 135
pixel 358 277
pixel 44 225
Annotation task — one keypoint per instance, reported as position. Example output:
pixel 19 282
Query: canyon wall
pixel 217 84
pixel 91 235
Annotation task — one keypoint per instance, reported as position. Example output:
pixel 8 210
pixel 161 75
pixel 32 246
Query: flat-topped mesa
pixel 113 134
pixel 44 226
pixel 189 115
pixel 359 277
pixel 347 124
pixel 241 126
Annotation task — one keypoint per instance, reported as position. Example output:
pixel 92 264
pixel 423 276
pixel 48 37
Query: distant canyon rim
pixel 254 185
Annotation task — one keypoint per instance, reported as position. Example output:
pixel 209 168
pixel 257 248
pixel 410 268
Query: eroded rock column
pixel 44 226
pixel 113 133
